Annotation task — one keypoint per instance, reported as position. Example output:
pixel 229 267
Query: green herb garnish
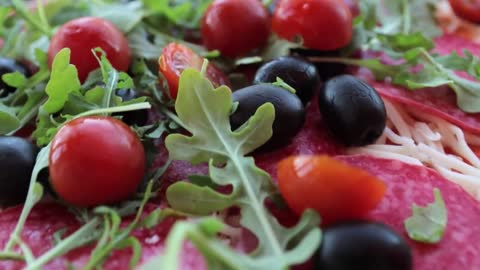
pixel 428 224
pixel 205 111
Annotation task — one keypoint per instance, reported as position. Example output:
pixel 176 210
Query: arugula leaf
pixel 8 120
pixel 114 237
pixel 196 199
pixel 124 16
pixel 63 81
pixel 428 224
pixel 15 79
pixel 205 111
pixel 84 235
pixel 182 13
pixel 218 255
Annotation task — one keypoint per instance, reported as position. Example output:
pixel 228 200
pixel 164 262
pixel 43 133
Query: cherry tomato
pixel 96 160
pixel 322 24
pixel 337 191
pixel 467 9
pixel 84 34
pixel 235 27
pixel 353 6
pixel 176 58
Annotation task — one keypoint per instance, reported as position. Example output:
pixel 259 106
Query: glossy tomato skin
pixel 322 24
pixel 84 34
pixel 96 160
pixel 176 58
pixel 235 27
pixel 467 9
pixel 338 192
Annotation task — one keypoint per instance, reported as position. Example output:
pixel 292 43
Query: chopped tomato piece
pixel 467 9
pixel 176 58
pixel 337 191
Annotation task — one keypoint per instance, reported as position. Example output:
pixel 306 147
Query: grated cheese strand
pixel 418 138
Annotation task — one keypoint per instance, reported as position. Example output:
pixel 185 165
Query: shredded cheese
pixel 419 138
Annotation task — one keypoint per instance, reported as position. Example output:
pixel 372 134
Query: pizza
pixel 228 134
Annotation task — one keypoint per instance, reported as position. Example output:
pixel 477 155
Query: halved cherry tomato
pixel 176 58
pixel 96 160
pixel 84 34
pixel 467 9
pixel 235 27
pixel 322 24
pixel 337 191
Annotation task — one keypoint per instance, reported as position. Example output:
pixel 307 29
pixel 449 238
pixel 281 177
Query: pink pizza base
pixel 456 251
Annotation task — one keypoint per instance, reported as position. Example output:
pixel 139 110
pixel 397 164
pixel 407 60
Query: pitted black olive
pixel 17 158
pixel 289 111
pixel 296 72
pixel 325 70
pixel 353 110
pixel 363 245
pixel 8 65
pixel 139 117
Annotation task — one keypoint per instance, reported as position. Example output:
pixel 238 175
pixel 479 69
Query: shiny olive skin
pixel 363 245
pixel 8 65
pixel 138 117
pixel 353 110
pixel 289 111
pixel 295 71
pixel 17 158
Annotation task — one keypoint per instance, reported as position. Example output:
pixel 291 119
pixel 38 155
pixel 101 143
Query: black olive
pixel 363 246
pixel 296 72
pixel 139 117
pixel 8 65
pixel 289 111
pixel 17 158
pixel 353 110
pixel 325 70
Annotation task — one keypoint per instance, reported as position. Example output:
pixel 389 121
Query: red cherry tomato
pixel 337 191
pixel 84 34
pixel 176 58
pixel 96 160
pixel 322 24
pixel 353 6
pixel 467 9
pixel 235 27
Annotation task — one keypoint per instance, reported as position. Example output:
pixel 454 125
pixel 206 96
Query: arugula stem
pixel 42 16
pixel 23 12
pixel 79 238
pixel 257 205
pixel 172 116
pixel 33 196
pixel 407 23
pixel 27 117
pixel 267 3
pixel 11 256
pixel 104 248
pixel 203 71
pixel 203 243
pixel 124 108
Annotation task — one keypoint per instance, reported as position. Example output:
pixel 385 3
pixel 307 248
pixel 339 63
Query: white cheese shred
pixel 419 138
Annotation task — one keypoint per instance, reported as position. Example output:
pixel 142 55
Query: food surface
pixel 239 135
